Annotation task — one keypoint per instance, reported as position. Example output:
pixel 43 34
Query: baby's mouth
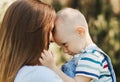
pixel 70 53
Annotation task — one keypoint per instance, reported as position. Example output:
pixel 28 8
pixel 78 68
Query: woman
pixel 25 32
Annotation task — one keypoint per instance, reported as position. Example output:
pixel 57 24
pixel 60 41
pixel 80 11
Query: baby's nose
pixel 65 50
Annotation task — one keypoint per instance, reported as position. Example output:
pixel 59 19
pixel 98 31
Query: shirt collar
pixel 89 47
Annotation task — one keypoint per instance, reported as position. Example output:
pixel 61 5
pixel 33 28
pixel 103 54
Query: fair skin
pixel 72 40
pixel 69 47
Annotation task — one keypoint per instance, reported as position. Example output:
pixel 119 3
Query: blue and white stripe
pixel 91 64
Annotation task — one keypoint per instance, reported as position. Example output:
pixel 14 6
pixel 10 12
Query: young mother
pixel 25 32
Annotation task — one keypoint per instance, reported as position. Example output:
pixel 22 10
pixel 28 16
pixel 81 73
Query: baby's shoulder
pixel 89 55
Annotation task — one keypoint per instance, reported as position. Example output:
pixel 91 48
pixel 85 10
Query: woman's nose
pixel 51 38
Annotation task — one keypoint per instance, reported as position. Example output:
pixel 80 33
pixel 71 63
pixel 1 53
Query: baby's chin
pixel 72 54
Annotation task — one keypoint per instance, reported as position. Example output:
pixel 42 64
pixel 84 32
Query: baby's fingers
pixel 43 56
pixel 51 54
pixel 41 61
pixel 47 53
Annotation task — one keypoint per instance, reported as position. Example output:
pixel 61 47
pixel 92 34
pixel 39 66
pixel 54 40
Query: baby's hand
pixel 48 59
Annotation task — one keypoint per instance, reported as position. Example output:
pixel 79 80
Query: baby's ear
pixel 80 30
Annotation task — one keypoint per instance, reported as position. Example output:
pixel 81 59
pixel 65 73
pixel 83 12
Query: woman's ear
pixel 80 30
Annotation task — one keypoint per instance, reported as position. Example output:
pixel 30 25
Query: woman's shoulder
pixel 36 74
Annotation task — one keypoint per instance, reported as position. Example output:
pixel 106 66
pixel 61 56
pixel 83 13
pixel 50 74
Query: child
pixel 89 63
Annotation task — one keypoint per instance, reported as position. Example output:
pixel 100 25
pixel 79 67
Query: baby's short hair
pixel 73 16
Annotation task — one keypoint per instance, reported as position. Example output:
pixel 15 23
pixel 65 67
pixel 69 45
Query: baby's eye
pixel 64 44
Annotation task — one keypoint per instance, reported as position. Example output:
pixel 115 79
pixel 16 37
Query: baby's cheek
pixel 72 49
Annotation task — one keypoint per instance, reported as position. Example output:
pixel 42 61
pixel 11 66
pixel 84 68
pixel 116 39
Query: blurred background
pixel 103 17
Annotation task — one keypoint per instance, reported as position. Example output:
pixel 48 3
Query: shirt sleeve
pixel 89 65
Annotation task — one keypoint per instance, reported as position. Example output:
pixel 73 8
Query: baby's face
pixel 70 41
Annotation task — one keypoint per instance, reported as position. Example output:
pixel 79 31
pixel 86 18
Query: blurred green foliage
pixel 103 17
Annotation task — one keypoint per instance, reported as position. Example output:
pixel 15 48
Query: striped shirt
pixel 94 64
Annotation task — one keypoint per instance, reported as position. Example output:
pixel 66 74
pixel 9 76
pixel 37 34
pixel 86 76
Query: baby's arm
pixel 48 60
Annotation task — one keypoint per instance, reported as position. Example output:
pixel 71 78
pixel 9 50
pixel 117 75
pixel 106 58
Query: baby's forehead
pixel 66 25
pixel 69 16
pixel 63 27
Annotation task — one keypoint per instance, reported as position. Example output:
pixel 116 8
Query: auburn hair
pixel 24 34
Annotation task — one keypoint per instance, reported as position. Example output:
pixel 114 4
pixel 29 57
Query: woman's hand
pixel 48 59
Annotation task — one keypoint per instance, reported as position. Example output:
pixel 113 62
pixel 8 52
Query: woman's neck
pixel 35 62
